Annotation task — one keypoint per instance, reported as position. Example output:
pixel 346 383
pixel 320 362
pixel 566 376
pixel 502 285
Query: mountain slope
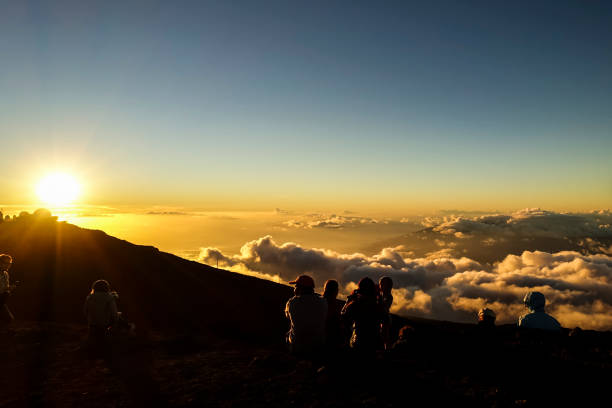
pixel 57 262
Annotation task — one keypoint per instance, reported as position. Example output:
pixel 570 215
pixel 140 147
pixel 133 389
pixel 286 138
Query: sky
pixel 462 148
pixel 392 107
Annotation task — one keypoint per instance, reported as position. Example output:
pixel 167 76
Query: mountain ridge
pixel 56 263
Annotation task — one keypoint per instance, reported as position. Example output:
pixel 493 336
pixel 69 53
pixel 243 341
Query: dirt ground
pixel 50 365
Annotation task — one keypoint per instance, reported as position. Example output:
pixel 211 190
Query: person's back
pixel 307 312
pixel 333 323
pixel 385 299
pixel 100 307
pixel 6 261
pixel 365 314
pixel 537 318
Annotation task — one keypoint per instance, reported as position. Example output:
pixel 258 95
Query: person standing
pixel 385 299
pixel 365 315
pixel 537 318
pixel 101 312
pixel 333 325
pixel 307 313
pixel 6 261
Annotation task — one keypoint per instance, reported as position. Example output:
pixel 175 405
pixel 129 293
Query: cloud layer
pixel 578 286
pixel 534 223
pixel 332 221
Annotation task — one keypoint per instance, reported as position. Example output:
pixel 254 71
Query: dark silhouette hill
pixel 57 262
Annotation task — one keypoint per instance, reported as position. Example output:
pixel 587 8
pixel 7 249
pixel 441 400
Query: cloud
pixel 489 238
pixel 167 213
pixel 332 221
pixel 532 223
pixel 578 287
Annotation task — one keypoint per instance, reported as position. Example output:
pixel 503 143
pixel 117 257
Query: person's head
pixel 304 285
pixel 535 301
pixel 486 317
pixel 5 262
pixel 367 287
pixel 405 332
pixel 385 284
pixel 330 290
pixel 100 286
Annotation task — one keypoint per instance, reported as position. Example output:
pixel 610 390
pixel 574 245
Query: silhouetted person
pixel 405 339
pixel 101 312
pixel 6 261
pixel 537 318
pixel 385 299
pixel 486 317
pixel 333 324
pixel 307 313
pixel 364 314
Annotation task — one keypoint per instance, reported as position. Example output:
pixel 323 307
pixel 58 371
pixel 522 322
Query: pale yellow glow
pixel 58 189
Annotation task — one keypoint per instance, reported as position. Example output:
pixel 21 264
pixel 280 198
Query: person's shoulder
pixel 525 319
pixel 553 322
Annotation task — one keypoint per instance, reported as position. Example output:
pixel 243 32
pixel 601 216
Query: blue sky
pixel 380 104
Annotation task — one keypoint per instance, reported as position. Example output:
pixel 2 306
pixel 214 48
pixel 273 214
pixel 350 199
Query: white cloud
pixel 532 223
pixel 332 221
pixel 578 287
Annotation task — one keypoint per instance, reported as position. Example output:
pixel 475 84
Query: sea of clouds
pixel 577 283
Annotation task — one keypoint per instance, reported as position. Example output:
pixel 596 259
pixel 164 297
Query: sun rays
pixel 58 189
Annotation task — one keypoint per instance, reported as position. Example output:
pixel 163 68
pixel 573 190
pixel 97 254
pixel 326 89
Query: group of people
pixel 319 322
pixel 537 318
pixel 316 322
pixel 363 323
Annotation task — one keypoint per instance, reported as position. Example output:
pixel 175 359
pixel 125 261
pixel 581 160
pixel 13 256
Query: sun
pixel 58 189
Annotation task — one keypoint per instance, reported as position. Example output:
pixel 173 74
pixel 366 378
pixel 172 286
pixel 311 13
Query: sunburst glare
pixel 58 189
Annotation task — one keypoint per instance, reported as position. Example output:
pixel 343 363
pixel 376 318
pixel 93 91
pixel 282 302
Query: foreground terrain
pixel 47 364
pixel 209 337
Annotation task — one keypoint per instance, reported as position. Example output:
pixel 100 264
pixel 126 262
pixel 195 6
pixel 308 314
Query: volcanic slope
pixel 56 263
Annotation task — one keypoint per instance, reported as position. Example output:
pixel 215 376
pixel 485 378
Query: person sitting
pixel 333 323
pixel 385 299
pixel 486 317
pixel 537 318
pixel 101 311
pixel 307 313
pixel 365 315
pixel 6 261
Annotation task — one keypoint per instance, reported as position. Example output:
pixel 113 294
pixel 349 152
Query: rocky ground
pixel 440 364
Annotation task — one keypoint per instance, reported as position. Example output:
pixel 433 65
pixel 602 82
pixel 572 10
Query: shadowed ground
pixel 441 364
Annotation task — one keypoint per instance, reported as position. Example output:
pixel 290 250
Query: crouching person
pixel 307 313
pixel 101 312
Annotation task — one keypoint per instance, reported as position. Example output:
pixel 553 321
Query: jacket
pixel 100 309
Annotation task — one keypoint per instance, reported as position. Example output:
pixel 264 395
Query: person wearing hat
pixel 537 318
pixel 307 313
